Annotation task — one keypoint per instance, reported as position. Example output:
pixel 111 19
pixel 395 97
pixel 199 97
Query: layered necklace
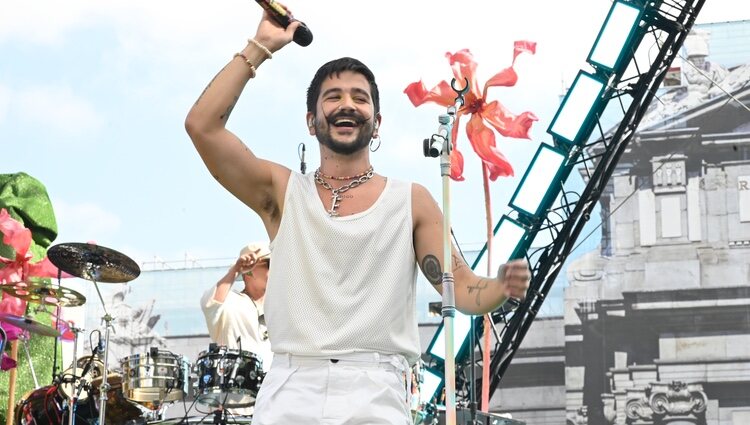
pixel 336 197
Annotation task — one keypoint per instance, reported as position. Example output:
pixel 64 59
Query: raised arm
pixel 254 181
pixel 474 294
pixel 244 264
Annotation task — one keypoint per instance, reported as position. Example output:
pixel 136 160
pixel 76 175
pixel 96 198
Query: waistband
pixel 361 359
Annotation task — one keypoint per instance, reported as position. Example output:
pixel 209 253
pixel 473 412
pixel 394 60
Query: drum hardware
pixel 156 379
pixel 25 342
pixel 45 406
pixel 36 290
pixel 99 265
pixel 32 326
pixel 93 262
pixel 227 378
pixel 76 389
pixel 29 324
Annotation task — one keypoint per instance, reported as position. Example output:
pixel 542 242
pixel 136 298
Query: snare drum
pixel 154 378
pixel 228 377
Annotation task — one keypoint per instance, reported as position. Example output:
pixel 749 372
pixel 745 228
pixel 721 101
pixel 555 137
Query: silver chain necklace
pixel 336 193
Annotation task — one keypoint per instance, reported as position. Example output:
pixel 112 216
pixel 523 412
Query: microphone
pixel 302 163
pixel 302 35
pixel 99 349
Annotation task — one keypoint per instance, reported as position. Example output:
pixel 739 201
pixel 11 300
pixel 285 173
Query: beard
pixel 366 131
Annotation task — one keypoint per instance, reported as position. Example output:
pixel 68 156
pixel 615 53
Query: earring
pixel 376 137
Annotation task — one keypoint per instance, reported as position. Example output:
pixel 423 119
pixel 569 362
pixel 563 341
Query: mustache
pixel 357 118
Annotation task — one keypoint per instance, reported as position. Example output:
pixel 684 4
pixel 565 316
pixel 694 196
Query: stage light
pixel 583 102
pixel 541 182
pixel 431 383
pixel 506 244
pixel 461 329
pixel 614 43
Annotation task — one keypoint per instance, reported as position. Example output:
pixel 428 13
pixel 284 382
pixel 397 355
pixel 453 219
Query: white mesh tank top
pixel 343 284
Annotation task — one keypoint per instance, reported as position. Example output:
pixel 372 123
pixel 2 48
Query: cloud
pixel 85 222
pixel 56 109
pixel 49 22
pixel 41 21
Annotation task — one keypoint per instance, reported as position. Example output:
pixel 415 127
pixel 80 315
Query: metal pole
pixel 76 383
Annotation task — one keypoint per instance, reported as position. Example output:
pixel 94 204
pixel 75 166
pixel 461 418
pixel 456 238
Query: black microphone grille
pixel 302 35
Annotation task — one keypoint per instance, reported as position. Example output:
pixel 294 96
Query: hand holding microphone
pixel 281 16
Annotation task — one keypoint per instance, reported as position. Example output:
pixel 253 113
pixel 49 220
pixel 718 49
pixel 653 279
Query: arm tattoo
pixel 432 270
pixel 209 85
pixel 458 262
pixel 478 287
pixel 228 112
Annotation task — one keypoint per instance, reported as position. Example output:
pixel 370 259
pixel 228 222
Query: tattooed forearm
pixel 209 85
pixel 478 288
pixel 432 270
pixel 458 262
pixel 228 112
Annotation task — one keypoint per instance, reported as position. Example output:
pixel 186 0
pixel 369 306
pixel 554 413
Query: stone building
pixel 656 325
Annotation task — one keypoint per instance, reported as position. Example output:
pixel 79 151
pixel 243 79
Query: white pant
pixel 351 389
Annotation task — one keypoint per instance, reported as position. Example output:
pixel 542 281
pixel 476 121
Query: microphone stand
pixel 440 144
pixel 107 319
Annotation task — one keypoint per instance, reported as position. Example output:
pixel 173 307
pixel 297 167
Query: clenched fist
pixel 515 275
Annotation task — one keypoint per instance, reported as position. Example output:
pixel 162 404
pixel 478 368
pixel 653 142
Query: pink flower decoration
pixel 482 111
pixel 18 237
pixel 7 363
pixel 20 268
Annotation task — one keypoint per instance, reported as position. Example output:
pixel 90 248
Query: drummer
pixel 235 319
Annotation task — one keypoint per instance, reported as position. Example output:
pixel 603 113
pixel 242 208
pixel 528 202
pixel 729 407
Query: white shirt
pixel 238 317
pixel 343 284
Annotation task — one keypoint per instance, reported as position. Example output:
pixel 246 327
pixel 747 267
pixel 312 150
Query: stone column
pixel 678 403
pixel 675 403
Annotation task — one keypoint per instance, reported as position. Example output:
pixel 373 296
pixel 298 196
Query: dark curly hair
pixel 336 67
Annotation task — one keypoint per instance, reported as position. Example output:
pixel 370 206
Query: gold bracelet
pixel 247 61
pixel 261 47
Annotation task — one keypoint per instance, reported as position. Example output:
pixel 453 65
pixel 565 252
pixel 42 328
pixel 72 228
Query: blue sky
pixel 93 96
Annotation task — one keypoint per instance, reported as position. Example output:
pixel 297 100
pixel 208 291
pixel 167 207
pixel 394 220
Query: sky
pixel 93 97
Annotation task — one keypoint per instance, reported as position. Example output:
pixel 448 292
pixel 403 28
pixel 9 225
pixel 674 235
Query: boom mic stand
pixel 107 319
pixel 440 144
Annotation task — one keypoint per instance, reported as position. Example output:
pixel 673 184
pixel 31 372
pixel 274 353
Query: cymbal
pixel 93 262
pixel 36 290
pixel 28 324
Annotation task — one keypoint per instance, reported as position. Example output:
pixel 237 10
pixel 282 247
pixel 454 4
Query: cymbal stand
pixel 25 342
pixel 441 145
pixel 75 383
pixel 107 319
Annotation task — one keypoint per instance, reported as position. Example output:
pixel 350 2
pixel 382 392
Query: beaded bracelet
pixel 247 61
pixel 261 47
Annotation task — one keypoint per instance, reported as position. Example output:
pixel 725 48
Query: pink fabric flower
pixel 7 363
pixel 20 268
pixel 16 236
pixel 481 111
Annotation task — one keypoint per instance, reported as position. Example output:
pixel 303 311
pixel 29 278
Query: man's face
pixel 345 118
pixel 257 278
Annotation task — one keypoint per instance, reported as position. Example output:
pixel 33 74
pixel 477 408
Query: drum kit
pixel 146 384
